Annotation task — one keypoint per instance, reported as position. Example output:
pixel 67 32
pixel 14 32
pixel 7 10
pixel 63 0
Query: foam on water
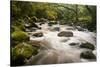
pixel 57 51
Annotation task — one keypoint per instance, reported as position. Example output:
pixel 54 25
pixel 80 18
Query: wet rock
pixel 39 34
pixel 87 45
pixel 42 23
pixel 65 34
pixel 27 25
pixel 31 25
pixel 55 29
pixel 50 24
pixel 87 55
pixel 33 29
pixel 70 29
pixel 73 44
pixel 34 18
pixel 34 25
pixel 79 28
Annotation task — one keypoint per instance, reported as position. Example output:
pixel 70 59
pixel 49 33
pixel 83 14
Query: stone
pixel 87 45
pixel 21 52
pixel 55 29
pixel 39 34
pixel 87 55
pixel 73 44
pixel 65 34
pixel 70 29
pixel 79 28
pixel 34 25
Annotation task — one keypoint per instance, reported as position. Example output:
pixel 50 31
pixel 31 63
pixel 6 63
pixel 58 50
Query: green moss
pixel 18 28
pixel 20 36
pixel 25 49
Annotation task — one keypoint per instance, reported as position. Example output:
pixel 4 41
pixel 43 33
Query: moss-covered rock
pixel 21 52
pixel 25 49
pixel 18 37
pixel 87 45
pixel 18 25
pixel 87 55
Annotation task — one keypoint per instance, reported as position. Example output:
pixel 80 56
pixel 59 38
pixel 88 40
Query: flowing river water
pixel 55 49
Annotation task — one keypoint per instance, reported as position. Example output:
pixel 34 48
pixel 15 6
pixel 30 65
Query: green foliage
pixel 70 13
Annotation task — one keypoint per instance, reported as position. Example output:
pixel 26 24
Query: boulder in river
pixel 87 45
pixel 65 34
pixel 73 44
pixel 79 28
pixel 39 34
pixel 55 29
pixel 34 25
pixel 87 55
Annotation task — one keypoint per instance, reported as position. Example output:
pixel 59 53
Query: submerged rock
pixel 65 34
pixel 55 29
pixel 79 28
pixel 87 55
pixel 70 28
pixel 87 45
pixel 39 34
pixel 73 44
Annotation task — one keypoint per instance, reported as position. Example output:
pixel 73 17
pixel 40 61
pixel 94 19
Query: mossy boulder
pixel 14 28
pixel 27 50
pixel 21 52
pixel 87 55
pixel 18 25
pixel 65 34
pixel 87 45
pixel 18 37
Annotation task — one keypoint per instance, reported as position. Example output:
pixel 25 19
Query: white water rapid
pixel 55 49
